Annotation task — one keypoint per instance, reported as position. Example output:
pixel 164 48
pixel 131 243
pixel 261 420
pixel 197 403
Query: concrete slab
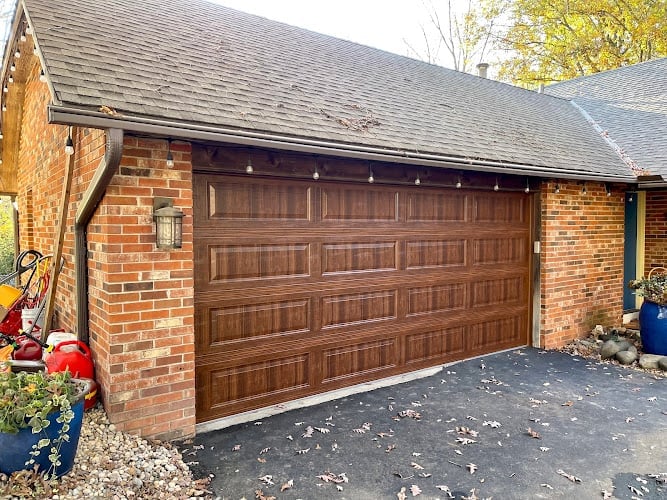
pixel 534 424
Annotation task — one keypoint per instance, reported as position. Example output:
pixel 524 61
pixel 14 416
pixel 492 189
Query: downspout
pixel 91 198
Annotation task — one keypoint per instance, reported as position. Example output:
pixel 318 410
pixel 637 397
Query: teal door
pixel 630 250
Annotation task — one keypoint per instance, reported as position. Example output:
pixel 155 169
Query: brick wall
pixel 141 299
pixel 582 260
pixel 656 230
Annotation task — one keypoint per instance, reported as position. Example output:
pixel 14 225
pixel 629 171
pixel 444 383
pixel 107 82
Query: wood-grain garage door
pixel 304 287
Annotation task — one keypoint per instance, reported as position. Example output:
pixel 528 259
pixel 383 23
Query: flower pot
pixel 653 327
pixel 15 448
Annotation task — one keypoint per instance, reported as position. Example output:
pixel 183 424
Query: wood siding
pixel 303 287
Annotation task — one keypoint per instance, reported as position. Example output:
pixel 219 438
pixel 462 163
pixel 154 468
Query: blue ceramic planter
pixel 15 448
pixel 653 328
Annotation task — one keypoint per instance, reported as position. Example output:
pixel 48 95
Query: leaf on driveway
pixel 533 434
pixel 492 423
pixel 570 477
pixel 415 490
pixel 236 447
pixel 606 494
pixel 547 486
pixel 287 485
pixel 323 430
pixel 302 452
pixel 445 488
pixel 267 480
pixel 401 494
pixel 330 477
pixel 424 474
pixel 290 437
pixel 544 449
pixel 261 460
pixel 308 433
pixel 259 495
pixel 471 467
pixel 465 441
pixel 410 414
pixel 391 447
pixel 467 431
pixel 567 403
pixel 264 450
pixel 635 491
pixel 415 465
pixel 652 399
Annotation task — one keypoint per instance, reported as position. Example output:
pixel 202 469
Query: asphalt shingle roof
pixel 630 103
pixel 204 64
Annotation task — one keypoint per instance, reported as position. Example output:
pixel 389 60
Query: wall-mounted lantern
pixel 168 224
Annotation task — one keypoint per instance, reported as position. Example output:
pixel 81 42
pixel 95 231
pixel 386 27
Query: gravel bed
pixel 114 465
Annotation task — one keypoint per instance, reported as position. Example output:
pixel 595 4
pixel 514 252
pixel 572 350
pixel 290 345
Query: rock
pixel 633 349
pixel 626 357
pixel 609 349
pixel 632 333
pixel 606 336
pixel 624 345
pixel 662 363
pixel 649 361
pixel 598 330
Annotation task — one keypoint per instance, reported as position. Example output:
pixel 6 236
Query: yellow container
pixel 8 295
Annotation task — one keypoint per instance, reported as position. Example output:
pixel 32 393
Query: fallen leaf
pixel 471 467
pixel 265 450
pixel 259 495
pixel 635 491
pixel 330 477
pixel 415 465
pixel 606 494
pixel 458 452
pixel 533 434
pixel 415 454
pixel 409 413
pixel 261 460
pixel 302 452
pixel 470 417
pixel 424 474
pixel 544 449
pixel 492 423
pixel 290 437
pixel 465 441
pixel 415 490
pixel 445 488
pixel 287 485
pixel 571 477
pixel 401 494
pixel 391 447
pixel 467 431
pixel 236 447
pixel 567 403
pixel 308 433
pixel 547 486
pixel 651 399
pixel 323 430
pixel 339 487
pixel 267 480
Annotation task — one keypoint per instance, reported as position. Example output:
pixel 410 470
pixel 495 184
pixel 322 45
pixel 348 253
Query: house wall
pixel 141 299
pixel 582 260
pixel 655 229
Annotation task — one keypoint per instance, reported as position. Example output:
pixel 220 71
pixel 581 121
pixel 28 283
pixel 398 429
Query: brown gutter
pixel 188 131
pixel 91 198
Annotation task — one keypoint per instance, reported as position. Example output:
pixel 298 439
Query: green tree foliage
pixel 6 236
pixel 553 40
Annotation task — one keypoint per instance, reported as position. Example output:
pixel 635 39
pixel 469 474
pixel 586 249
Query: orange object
pixel 78 362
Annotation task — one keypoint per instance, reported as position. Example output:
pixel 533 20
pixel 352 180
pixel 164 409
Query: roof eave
pixel 165 128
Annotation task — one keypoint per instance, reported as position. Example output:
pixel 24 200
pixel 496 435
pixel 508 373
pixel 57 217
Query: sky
pixel 383 24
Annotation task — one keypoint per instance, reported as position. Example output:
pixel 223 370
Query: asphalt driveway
pixel 519 424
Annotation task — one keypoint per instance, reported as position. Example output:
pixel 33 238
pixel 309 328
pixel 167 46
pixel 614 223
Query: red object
pixel 91 398
pixel 27 349
pixel 79 362
pixel 12 322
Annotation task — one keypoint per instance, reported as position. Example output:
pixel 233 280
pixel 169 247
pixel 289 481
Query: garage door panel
pixel 346 203
pixel 263 320
pixel 441 344
pixel 256 200
pixel 363 256
pixel 423 254
pixel 346 310
pixel 505 291
pixel 500 250
pixel 256 380
pixel 437 299
pixel 359 360
pixel 491 208
pixel 440 207
pixel 494 334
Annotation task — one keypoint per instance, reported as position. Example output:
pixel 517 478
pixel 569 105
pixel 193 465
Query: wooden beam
pixel 58 241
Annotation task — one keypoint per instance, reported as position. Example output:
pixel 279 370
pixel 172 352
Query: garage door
pixel 305 287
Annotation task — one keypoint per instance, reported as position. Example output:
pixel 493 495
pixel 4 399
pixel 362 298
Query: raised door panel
pixel 358 308
pixel 358 359
pixel 440 207
pixel 347 258
pixel 348 204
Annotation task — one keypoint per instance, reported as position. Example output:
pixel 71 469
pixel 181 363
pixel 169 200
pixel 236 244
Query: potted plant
pixel 40 421
pixel 653 311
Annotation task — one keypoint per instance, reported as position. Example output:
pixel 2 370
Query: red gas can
pixel 79 362
pixel 27 349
